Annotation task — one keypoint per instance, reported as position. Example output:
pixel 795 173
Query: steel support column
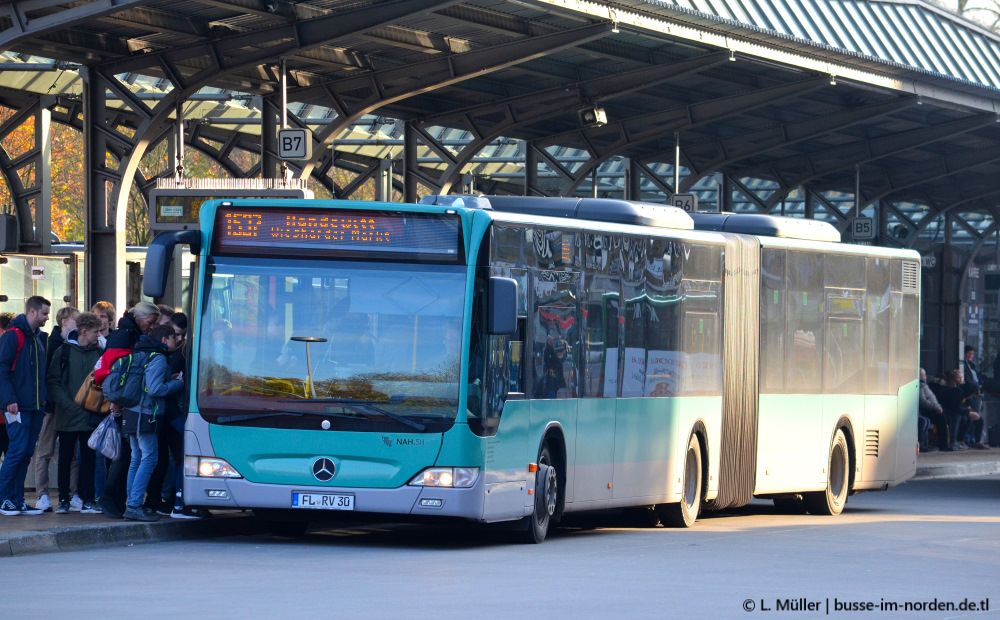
pixel 531 171
pixel 270 165
pixel 633 187
pixel 104 269
pixel 409 163
pixel 43 175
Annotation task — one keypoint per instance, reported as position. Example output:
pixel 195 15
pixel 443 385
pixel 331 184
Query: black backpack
pixel 124 384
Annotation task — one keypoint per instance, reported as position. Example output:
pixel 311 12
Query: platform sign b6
pixel 294 144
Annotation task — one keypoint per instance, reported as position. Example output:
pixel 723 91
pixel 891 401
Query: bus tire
pixel 287 529
pixel 831 501
pixel 546 499
pixel 685 512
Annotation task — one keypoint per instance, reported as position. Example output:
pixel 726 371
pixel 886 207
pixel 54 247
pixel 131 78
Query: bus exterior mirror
pixel 502 317
pixel 158 257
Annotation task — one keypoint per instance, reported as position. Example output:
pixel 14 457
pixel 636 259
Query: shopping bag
pixel 105 438
pixel 90 397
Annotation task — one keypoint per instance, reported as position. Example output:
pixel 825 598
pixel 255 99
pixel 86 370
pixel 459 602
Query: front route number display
pixel 248 230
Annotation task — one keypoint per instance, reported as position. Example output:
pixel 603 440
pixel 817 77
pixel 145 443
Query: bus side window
pixel 804 323
pixel 555 334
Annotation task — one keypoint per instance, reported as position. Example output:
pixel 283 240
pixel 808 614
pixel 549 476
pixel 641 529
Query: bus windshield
pixel 293 343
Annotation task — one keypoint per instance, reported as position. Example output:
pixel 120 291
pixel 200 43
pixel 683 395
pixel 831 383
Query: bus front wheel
pixel 685 512
pixel 831 501
pixel 546 499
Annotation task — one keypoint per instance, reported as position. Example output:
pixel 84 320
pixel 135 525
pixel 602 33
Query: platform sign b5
pixel 863 229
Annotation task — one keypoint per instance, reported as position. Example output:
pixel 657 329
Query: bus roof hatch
pixel 767 226
pixel 596 209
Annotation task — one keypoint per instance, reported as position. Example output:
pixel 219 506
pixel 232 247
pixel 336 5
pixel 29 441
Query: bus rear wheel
pixel 685 512
pixel 546 499
pixel 831 501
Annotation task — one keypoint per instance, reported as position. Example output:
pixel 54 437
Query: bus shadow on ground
pixel 455 535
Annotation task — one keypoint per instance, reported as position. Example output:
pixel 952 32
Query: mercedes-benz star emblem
pixel 323 469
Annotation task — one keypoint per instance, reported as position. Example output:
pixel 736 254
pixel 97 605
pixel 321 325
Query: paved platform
pixel 49 532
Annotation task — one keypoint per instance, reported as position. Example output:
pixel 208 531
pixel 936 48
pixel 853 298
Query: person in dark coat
pixel 22 396
pixel 45 449
pixel 133 324
pixel 73 423
pixel 931 409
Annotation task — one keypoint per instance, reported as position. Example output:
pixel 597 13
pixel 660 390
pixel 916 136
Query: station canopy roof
pixel 789 93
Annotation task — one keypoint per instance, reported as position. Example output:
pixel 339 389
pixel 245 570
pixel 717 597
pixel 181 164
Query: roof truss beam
pixel 757 143
pixel 385 87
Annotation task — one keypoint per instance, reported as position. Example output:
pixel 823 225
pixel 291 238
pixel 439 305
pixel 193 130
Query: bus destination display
pixel 256 230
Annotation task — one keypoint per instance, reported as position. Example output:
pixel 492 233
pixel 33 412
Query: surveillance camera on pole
pixel 593 117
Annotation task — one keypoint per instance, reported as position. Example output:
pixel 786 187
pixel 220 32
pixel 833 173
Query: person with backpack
pixel 71 364
pixel 5 319
pixel 22 396
pixel 143 421
pixel 133 324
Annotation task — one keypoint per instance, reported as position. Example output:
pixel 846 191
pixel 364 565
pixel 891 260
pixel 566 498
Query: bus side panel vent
pixel 871 443
pixel 911 276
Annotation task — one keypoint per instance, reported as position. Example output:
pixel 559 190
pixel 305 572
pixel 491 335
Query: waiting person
pixel 165 313
pixel 45 451
pixel 972 387
pixel 143 423
pixel 175 428
pixel 73 423
pixel 23 396
pixel 932 410
pixel 960 415
pixel 5 319
pixel 105 311
pixel 171 440
pixel 133 324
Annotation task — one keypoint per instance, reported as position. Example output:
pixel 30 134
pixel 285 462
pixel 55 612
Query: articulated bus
pixel 514 359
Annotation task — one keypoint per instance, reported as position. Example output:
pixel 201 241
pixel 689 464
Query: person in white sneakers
pixel 22 398
pixel 45 450
pixel 71 364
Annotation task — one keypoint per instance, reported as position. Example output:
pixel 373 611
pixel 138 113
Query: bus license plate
pixel 323 501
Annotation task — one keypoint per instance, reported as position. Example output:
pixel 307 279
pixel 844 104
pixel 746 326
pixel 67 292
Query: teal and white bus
pixel 514 359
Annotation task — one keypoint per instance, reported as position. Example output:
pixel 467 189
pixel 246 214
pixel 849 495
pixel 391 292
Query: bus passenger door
pixel 595 431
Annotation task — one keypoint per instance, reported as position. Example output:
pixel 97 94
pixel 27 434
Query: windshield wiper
pixel 367 407
pixel 273 413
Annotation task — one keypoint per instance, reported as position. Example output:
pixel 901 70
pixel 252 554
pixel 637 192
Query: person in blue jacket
pixel 22 396
pixel 144 422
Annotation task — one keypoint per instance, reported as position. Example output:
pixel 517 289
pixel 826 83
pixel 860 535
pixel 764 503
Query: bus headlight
pixel 207 467
pixel 455 477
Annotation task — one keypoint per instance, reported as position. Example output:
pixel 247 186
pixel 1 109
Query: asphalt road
pixel 925 544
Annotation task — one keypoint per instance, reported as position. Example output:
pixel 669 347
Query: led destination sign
pixel 327 231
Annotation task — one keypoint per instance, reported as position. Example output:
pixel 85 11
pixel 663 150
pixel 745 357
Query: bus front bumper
pixel 239 493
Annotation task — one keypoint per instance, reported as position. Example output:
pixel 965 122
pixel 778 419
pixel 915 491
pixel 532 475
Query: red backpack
pixel 20 345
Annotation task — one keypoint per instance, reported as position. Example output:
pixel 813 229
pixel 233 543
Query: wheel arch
pixel 844 424
pixel 555 438
pixel 699 430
